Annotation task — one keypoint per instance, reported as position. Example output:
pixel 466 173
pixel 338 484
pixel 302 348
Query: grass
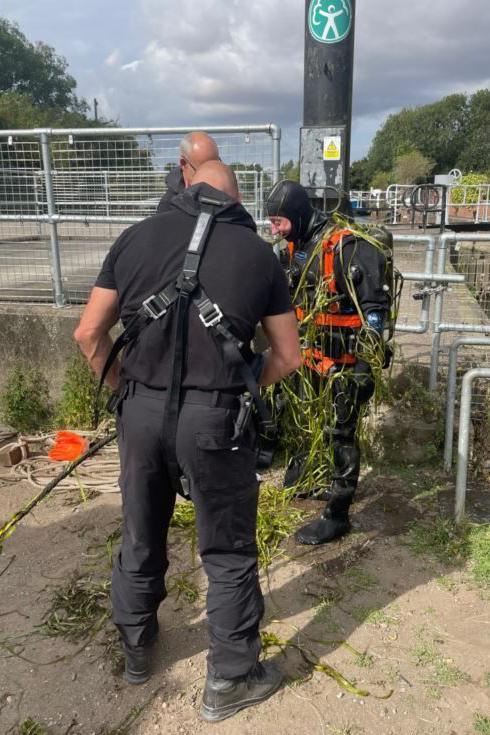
pixel 183 586
pixel 455 545
pixel 358 579
pixel 481 724
pixel 365 661
pixel 446 583
pixel 31 727
pixel 323 614
pixel 372 616
pixel 444 672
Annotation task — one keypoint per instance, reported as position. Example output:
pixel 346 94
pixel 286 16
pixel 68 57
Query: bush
pixel 472 195
pixel 24 401
pixel 76 408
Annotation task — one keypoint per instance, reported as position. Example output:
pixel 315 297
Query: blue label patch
pixel 300 255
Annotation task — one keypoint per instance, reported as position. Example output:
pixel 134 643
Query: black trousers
pixel 224 490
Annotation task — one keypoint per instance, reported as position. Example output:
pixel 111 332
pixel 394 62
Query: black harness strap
pixel 213 319
pixel 186 285
pixel 152 308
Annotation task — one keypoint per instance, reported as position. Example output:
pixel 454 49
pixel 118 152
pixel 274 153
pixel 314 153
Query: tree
pixel 35 70
pixel 412 168
pixel 359 175
pixel 17 111
pixel 382 180
pixel 290 170
pixel 449 132
pixel 475 155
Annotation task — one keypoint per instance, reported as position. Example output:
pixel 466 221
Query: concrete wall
pixel 40 336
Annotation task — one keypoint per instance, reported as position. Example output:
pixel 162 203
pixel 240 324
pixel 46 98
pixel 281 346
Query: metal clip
pixel 212 319
pixel 153 310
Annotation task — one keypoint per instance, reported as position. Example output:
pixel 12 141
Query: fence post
pixel 438 306
pixel 464 438
pixel 59 296
pixel 276 152
pixel 451 392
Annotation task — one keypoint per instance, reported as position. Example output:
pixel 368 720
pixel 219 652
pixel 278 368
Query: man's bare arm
pixel 92 334
pixel 284 355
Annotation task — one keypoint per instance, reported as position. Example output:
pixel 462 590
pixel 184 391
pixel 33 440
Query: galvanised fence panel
pixel 62 205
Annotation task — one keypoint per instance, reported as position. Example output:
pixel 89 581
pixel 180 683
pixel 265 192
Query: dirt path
pixel 411 631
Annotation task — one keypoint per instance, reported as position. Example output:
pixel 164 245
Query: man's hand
pixel 284 355
pixel 92 334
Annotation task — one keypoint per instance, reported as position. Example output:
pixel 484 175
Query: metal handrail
pixel 451 392
pixel 464 438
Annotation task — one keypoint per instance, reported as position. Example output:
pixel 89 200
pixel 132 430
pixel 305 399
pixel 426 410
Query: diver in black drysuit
pixel 367 266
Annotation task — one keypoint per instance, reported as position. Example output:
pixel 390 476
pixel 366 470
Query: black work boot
pixel 334 521
pixel 137 663
pixel 137 668
pixel 223 698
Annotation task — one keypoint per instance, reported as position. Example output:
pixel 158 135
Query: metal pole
pixel 275 132
pixel 327 107
pixel 423 325
pixel 106 189
pixel 438 306
pixel 268 128
pixel 464 436
pixel 451 392
pixel 59 296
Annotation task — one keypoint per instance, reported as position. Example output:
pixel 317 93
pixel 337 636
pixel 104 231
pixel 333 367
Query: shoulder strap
pixel 187 283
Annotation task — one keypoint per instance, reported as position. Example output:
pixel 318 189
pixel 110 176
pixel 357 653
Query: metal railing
pixel 471 317
pixel 464 438
pixel 77 187
pixel 469 201
pixel 451 392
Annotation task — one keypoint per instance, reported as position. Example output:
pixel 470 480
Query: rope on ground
pixel 98 473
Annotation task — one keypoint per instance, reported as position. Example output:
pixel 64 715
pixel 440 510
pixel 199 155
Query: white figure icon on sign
pixel 331 24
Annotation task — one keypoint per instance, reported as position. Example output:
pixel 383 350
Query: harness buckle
pixel 212 317
pixel 154 309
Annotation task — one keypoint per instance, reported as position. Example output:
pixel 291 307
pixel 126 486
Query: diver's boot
pixel 334 521
pixel 223 698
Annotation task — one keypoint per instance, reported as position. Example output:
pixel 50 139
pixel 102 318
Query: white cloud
pixel 114 58
pixel 131 66
pixel 231 61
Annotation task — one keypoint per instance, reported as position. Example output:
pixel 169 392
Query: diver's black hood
pixel 225 209
pixel 289 199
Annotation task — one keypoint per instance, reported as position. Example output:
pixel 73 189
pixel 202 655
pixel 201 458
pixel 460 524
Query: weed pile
pixel 276 520
pixel 78 610
pixel 309 410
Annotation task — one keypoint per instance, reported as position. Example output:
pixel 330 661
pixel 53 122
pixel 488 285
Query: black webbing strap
pixel 212 317
pixel 186 285
pixel 152 309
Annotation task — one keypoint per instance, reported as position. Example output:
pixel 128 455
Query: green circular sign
pixel 330 21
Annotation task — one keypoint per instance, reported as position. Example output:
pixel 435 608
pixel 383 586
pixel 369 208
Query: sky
pixel 220 62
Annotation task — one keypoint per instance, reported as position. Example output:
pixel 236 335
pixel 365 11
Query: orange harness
pixel 313 358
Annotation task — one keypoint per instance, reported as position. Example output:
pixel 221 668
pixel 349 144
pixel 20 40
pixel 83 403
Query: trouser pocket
pixel 227 490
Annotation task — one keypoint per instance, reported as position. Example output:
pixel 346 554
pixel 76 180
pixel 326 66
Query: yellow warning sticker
pixel 332 148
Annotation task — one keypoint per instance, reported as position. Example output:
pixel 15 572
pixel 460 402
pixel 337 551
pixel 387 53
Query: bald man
pixel 244 281
pixel 195 149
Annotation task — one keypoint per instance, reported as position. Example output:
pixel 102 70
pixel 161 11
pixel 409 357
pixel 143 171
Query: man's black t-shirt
pixel 238 271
